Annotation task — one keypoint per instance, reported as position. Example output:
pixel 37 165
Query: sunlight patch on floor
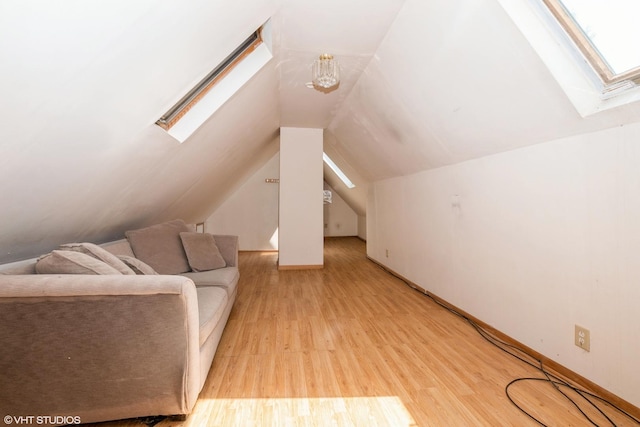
pixel 322 411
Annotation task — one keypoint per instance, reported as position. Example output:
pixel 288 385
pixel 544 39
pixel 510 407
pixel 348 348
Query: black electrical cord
pixel 520 354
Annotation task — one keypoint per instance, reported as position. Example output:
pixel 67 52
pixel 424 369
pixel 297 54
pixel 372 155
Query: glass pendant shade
pixel 326 72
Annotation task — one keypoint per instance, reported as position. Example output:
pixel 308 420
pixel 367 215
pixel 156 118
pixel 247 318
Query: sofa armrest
pixel 228 246
pixel 98 347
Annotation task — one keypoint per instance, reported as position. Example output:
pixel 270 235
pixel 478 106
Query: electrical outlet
pixel 582 338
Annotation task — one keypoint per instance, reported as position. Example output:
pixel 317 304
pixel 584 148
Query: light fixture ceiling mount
pixel 326 72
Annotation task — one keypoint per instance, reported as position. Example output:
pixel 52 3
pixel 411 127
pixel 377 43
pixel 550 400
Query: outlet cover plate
pixel 582 338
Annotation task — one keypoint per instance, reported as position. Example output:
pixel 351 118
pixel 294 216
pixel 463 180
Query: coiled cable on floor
pixel 557 382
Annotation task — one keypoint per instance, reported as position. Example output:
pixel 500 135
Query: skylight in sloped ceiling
pixel 204 99
pixel 343 177
pixel 606 32
pixel 587 45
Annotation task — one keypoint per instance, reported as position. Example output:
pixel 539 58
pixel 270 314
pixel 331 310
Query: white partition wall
pixel 301 240
pixel 251 212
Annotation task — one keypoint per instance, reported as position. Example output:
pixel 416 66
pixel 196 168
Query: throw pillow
pixel 160 246
pixel 71 262
pixel 102 254
pixel 202 252
pixel 136 265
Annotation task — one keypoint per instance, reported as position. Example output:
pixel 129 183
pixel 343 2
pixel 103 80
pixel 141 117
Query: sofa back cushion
pixel 71 262
pixel 119 247
pixel 160 246
pixel 202 252
pixel 27 266
pixel 136 265
pixel 102 254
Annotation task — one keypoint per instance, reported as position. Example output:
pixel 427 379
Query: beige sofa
pixel 98 347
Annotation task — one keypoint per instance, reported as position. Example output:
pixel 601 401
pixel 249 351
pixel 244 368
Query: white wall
pixel 300 229
pixel 251 213
pixel 339 218
pixel 362 227
pixel 531 241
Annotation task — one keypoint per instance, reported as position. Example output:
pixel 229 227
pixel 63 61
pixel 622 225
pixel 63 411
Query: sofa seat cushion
pixel 211 304
pixel 226 278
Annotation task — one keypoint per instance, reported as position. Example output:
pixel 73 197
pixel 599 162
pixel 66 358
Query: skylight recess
pixel 194 108
pixel 606 33
pixel 337 171
pixel 564 46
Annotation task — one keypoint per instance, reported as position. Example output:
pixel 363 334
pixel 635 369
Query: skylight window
pixel 194 108
pixel 337 171
pixel 606 32
pixel 587 45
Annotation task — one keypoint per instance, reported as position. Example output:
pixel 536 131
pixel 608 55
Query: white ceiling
pixel 425 83
pixel 351 31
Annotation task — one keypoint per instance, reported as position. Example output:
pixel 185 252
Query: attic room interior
pixel 488 209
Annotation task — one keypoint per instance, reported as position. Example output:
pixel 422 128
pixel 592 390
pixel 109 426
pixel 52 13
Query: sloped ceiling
pixel 82 85
pixel 425 83
pixel 453 81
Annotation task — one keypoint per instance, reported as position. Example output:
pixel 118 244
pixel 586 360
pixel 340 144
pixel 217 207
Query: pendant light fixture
pixel 326 71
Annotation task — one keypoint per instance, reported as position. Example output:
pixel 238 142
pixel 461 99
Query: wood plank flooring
pixel 351 345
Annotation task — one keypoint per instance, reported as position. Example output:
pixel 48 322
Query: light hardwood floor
pixel 352 345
